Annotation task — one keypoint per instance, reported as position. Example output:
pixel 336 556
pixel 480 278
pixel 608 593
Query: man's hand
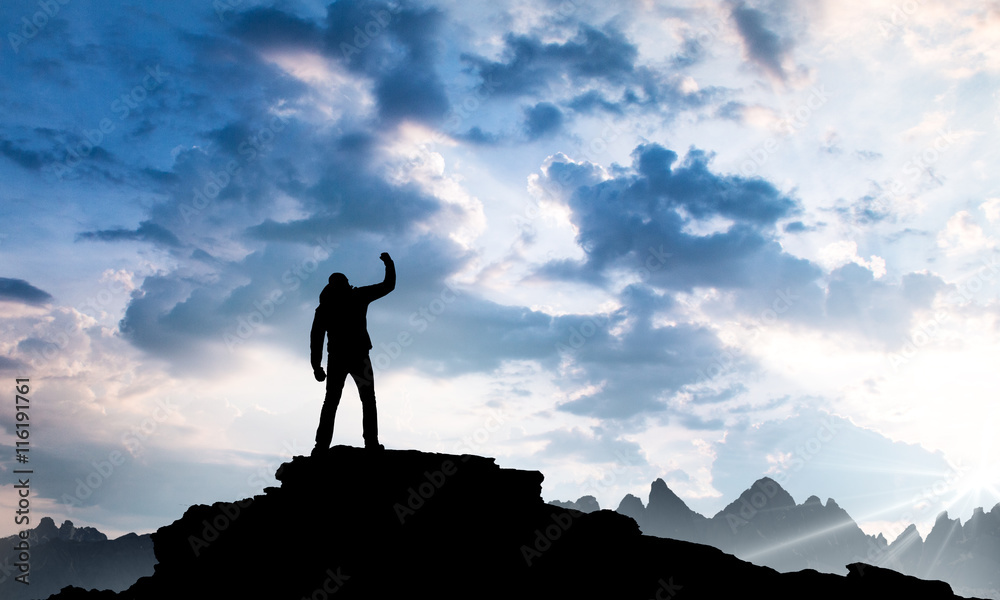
pixel 319 374
pixel 385 257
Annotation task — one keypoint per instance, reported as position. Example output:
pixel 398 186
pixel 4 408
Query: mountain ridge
pixel 362 524
pixel 66 555
pixel 765 526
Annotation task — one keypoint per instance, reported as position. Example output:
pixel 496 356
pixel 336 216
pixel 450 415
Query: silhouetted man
pixel 343 314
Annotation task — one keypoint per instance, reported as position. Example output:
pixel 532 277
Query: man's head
pixel 339 281
pixel 337 286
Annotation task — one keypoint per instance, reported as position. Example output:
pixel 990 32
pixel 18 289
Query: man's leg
pixel 334 388
pixel 364 377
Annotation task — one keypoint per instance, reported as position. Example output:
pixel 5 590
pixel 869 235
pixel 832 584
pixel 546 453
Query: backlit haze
pixel 699 241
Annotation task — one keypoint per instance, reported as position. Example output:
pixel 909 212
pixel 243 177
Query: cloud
pixel 625 364
pixel 856 301
pixel 32 160
pixel 147 231
pixel 646 219
pixel 270 28
pixel 763 47
pixel 530 65
pixel 598 445
pixel 19 290
pixel 12 365
pixel 594 70
pixel 541 120
pixel 962 235
pixel 591 100
pixel 397 48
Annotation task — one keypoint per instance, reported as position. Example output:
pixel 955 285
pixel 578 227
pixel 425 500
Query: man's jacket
pixel 343 315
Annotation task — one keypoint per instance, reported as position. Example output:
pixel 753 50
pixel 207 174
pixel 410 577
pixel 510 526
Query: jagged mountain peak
pixel 585 504
pixel 764 494
pixel 660 495
pixel 909 532
pixel 46 529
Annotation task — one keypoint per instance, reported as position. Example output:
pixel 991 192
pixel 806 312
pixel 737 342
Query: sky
pixel 700 241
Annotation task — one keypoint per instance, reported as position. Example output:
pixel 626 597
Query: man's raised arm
pixel 377 290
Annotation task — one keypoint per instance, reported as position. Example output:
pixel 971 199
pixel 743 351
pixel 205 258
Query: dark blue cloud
pixel 19 290
pixel 592 100
pixel 797 227
pixel 147 231
pixel 476 135
pixel 29 159
pixel 542 119
pixel 272 28
pixel 763 46
pixel 638 220
pixel 396 46
pixel 529 64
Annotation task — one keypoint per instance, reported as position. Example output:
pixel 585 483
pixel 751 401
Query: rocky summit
pixel 352 523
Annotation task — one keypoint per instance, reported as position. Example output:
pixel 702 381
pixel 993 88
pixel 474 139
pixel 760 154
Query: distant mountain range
pixel 766 527
pixel 73 556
